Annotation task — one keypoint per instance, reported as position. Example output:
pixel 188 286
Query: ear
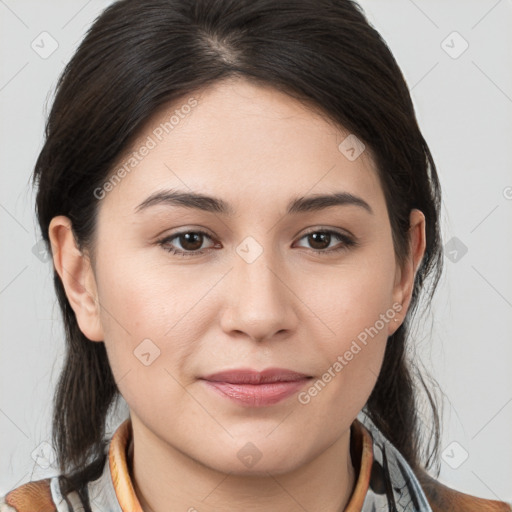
pixel 77 277
pixel 404 281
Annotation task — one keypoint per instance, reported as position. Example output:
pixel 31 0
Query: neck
pixel 166 479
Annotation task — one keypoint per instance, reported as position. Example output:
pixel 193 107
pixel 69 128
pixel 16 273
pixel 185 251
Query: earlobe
pixel 405 276
pixel 76 274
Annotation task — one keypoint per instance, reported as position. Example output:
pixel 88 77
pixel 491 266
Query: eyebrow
pixel 211 204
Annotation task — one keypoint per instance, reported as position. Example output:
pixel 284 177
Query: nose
pixel 260 301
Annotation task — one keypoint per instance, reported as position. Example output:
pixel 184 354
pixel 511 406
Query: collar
pixel 121 446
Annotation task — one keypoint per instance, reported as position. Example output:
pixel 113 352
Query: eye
pixel 320 239
pixel 192 241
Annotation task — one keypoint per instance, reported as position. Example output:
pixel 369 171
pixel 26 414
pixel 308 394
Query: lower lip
pixel 257 395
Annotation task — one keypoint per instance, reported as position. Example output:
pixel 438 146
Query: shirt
pixel 385 482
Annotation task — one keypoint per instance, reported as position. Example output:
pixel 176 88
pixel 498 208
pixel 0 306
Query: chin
pixel 259 458
pixel 262 468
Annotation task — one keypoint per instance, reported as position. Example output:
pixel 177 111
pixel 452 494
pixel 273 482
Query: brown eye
pixel 189 243
pixel 320 241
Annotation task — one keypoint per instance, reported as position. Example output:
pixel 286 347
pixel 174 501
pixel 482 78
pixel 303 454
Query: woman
pixel 242 214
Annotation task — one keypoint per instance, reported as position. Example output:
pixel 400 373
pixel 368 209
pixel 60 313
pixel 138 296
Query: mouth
pixel 256 389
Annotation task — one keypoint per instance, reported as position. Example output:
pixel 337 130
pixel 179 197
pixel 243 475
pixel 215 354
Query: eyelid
pixel 172 236
pixel 314 229
pixel 340 231
pixel 347 239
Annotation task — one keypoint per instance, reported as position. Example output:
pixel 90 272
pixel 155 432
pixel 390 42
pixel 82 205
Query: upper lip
pixel 249 376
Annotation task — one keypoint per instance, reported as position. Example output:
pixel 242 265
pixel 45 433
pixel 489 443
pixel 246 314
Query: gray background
pixel 463 101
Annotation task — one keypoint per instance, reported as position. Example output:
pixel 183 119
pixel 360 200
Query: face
pixel 183 292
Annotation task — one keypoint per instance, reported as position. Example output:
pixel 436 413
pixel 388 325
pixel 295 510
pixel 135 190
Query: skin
pixel 256 148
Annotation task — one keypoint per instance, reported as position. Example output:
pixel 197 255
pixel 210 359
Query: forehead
pixel 252 145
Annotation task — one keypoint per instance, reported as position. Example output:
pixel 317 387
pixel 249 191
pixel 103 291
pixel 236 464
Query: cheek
pixel 352 297
pixel 134 317
pixel 356 305
pixel 351 354
pixel 147 346
pixel 151 318
pixel 145 297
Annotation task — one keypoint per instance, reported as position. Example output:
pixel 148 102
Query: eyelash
pixel 347 242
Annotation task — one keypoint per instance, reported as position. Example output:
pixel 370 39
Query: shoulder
pixel 442 498
pixel 29 497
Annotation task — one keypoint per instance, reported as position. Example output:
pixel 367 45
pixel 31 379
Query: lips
pixel 256 389
pixel 248 376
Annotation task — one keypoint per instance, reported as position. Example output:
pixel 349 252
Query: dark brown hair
pixel 140 56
